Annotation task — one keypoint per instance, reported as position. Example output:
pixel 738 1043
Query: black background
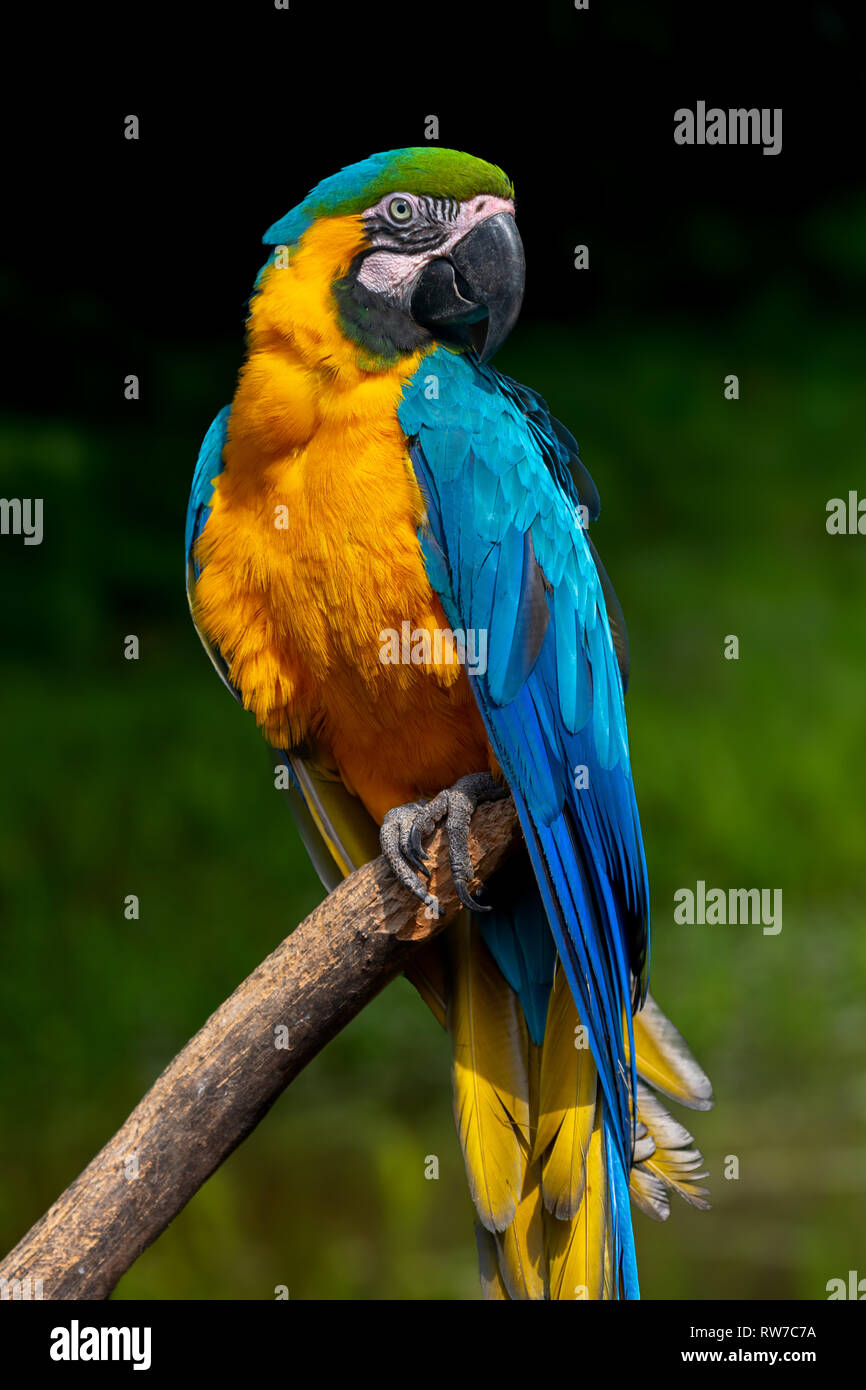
pixel 115 248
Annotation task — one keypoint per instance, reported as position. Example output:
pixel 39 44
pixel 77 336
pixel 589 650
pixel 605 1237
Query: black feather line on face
pixel 430 226
pixel 406 241
pixel 439 209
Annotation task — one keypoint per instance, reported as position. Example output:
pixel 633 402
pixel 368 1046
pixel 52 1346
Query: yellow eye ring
pixel 400 209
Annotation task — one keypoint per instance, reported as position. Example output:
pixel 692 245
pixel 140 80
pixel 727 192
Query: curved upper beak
pixel 475 292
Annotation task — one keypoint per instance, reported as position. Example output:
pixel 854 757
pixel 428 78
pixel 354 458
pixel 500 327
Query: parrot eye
pixel 400 209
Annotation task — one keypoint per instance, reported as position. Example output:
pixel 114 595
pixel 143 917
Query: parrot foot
pixel 405 827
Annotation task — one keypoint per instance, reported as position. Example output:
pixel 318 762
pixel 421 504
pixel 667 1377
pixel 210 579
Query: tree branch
pixel 225 1080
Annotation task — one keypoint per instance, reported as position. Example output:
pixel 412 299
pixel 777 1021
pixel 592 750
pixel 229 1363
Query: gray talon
pixel 405 828
pixel 424 824
pixel 393 839
pixel 410 844
pixel 468 901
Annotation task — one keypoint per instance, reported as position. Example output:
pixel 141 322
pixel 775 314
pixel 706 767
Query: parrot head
pixel 433 251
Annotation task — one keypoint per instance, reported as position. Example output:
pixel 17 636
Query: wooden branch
pixel 226 1079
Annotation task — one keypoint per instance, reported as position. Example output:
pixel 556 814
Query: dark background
pixel 123 777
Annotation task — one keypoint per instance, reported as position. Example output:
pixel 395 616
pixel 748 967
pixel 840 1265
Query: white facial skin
pixel 392 274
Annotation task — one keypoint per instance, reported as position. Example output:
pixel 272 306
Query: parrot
pixel 388 561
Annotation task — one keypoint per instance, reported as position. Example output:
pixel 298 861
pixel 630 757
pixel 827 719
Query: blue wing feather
pixel 553 704
pixel 208 466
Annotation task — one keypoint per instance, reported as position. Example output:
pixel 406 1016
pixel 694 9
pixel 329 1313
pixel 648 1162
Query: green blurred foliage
pixel 144 777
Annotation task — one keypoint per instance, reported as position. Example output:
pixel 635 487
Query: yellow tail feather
pixel 664 1060
pixel 491 1085
pixel 578 1250
pixel 521 1247
pixel 674 1161
pixel 567 1102
pixel 530 1121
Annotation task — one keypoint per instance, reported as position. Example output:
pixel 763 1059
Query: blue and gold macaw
pixel 377 506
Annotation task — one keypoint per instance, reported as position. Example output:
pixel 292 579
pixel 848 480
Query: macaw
pixel 374 476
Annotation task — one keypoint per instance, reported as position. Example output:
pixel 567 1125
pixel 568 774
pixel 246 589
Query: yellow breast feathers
pixel 311 553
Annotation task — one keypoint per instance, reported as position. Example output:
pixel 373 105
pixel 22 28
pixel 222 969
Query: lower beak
pixel 474 293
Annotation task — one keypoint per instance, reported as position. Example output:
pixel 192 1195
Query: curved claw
pixel 413 854
pixel 404 828
pixel 424 824
pixel 393 838
pixel 467 899
pixel 416 848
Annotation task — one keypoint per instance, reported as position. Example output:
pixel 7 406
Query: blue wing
pixel 208 466
pixel 506 550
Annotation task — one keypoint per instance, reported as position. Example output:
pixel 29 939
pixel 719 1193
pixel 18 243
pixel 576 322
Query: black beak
pixel 474 294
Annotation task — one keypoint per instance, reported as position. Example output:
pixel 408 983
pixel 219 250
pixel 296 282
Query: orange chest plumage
pixel 312 561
